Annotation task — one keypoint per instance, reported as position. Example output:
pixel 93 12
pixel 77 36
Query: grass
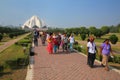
pixel 9 58
pixel 107 35
pixel 11 53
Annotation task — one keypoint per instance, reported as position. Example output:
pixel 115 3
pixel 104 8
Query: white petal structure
pixel 33 22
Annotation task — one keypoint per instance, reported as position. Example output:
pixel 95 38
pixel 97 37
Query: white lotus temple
pixel 34 22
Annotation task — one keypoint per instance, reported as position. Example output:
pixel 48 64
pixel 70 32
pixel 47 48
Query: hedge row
pixel 15 34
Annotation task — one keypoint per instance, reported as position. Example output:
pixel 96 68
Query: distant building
pixel 34 23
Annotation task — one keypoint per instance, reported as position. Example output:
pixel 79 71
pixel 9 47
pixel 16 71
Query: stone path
pixel 70 66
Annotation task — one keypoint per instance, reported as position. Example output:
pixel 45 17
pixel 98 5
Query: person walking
pixel 59 40
pixel 55 43
pixel 35 37
pixel 91 50
pixel 65 42
pixel 72 40
pixel 105 50
pixel 43 38
pixel 50 44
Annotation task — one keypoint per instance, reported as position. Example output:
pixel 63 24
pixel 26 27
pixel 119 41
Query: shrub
pixel 113 38
pixel 16 43
pixel 116 59
pixel 1 68
pixel 1 37
pixel 11 35
pixel 77 47
pixel 83 36
pixel 75 43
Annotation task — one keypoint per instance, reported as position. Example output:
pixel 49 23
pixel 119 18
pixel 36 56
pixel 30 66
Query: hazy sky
pixel 61 13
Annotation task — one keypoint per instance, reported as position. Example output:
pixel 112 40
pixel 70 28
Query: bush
pixel 11 35
pixel 83 36
pixel 77 47
pixel 75 43
pixel 1 37
pixel 113 38
pixel 1 68
pixel 116 59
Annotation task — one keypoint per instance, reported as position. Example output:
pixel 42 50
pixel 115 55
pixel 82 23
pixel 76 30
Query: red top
pixel 55 42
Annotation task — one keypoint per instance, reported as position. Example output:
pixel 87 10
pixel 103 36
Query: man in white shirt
pixel 91 50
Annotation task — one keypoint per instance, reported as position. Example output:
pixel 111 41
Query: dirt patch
pixel 18 74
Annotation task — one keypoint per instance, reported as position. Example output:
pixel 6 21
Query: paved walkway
pixel 64 66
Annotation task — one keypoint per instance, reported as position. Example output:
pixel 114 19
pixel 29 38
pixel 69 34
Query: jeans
pixel 71 46
pixel 55 48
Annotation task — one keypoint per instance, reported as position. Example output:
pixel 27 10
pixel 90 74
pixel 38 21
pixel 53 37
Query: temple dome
pixel 33 22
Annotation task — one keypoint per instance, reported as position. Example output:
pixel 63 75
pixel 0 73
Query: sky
pixel 61 13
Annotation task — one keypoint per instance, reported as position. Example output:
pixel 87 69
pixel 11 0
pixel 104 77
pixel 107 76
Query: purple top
pixel 106 48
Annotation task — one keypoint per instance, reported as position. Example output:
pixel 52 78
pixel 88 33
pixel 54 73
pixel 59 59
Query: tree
pixel 87 32
pixel 1 37
pixel 83 36
pixel 98 33
pixel 83 30
pixel 105 30
pixel 113 38
pixel 113 29
pixel 76 31
pixel 92 30
pixel 118 27
pixel 68 30
pixel 11 35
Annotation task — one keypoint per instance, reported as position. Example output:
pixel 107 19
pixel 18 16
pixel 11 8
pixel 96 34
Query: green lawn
pixel 11 53
pixel 9 58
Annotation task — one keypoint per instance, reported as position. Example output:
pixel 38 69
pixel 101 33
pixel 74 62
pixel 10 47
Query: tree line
pixel 97 32
pixel 92 30
pixel 10 31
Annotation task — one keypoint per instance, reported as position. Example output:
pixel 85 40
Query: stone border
pixel 112 68
pixel 29 75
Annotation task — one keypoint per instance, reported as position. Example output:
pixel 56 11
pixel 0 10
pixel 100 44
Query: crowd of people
pixel 55 41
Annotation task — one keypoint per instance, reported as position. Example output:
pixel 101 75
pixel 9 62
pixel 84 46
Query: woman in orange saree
pixel 50 44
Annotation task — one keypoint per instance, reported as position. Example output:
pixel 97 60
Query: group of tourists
pixel 55 41
pixel 105 50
